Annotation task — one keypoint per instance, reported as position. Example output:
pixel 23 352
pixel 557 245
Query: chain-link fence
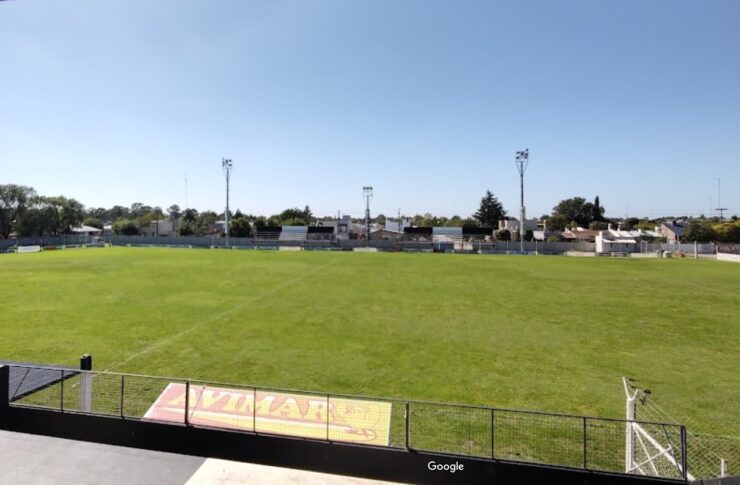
pixel 712 451
pixel 549 439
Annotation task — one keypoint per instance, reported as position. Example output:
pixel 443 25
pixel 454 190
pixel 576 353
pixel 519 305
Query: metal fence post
pixel 585 445
pixel 4 389
pixel 254 410
pixel 123 377
pixel 61 393
pixel 187 402
pixel 408 418
pixel 327 417
pixel 493 434
pixel 684 460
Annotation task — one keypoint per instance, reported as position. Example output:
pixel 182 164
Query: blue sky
pixel 114 102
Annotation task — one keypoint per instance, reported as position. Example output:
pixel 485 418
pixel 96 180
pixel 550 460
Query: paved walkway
pixel 39 460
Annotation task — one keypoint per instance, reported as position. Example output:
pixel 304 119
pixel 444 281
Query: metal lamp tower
pixel 367 192
pixel 227 165
pixel 522 160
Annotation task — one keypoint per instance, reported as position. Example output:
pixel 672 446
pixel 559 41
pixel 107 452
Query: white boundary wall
pixel 735 258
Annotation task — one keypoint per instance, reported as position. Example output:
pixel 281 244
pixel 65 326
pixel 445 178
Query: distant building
pixel 87 231
pixel 397 225
pixel 579 234
pixel 512 225
pixel 385 234
pixel 672 231
pixel 162 227
pixel 615 241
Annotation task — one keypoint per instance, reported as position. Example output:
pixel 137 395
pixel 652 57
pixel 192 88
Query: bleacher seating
pixel 293 234
pixel 268 233
pixel 320 233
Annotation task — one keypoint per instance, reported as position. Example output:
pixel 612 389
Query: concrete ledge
pixel 581 254
pixel 365 250
pixel 735 258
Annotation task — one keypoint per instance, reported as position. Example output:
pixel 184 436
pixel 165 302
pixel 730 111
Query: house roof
pixel 620 241
pixel 674 228
pixel 580 234
pixel 84 228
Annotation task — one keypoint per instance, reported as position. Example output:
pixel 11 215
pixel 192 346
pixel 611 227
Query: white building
pixel 615 241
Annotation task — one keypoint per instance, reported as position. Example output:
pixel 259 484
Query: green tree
pixel 117 211
pixel 576 210
pixel 490 211
pixel 93 222
pixel 205 221
pixel 295 217
pixel 52 216
pixel 728 232
pixel 598 225
pixel 240 227
pixel 699 231
pixel 646 225
pixel 190 215
pixel 503 235
pixel 597 212
pixel 13 202
pixel 125 227
pixel 557 222
pixel 187 228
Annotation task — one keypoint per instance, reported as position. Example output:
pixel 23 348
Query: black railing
pixel 572 441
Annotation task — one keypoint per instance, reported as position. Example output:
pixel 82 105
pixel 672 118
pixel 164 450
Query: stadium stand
pixel 293 235
pixel 321 238
pixel 268 233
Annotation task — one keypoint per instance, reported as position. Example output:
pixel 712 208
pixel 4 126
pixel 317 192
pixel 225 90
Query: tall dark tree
pixel 597 212
pixel 13 202
pixel 490 212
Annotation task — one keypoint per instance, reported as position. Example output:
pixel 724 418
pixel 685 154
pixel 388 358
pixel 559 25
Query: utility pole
pixel 522 160
pixel 367 192
pixel 720 209
pixel 227 166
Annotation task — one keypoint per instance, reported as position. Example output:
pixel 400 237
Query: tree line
pixel 25 213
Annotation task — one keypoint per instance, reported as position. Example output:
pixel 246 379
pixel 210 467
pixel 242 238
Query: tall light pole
pixel 720 209
pixel 227 165
pixel 367 192
pixel 522 160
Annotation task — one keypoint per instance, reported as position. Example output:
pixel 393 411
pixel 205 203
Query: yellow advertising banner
pixel 291 414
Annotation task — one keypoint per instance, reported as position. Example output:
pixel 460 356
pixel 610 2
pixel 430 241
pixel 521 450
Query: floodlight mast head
pixel 227 165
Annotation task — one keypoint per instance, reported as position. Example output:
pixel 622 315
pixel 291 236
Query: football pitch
pixel 539 333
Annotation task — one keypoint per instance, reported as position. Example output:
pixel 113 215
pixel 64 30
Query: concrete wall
pixel 735 258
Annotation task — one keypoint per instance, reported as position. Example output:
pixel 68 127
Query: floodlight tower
pixel 227 165
pixel 522 160
pixel 367 192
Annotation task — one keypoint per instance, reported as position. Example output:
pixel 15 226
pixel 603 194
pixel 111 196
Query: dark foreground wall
pixel 345 459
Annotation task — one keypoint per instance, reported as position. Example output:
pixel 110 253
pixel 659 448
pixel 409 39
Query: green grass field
pixel 542 333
